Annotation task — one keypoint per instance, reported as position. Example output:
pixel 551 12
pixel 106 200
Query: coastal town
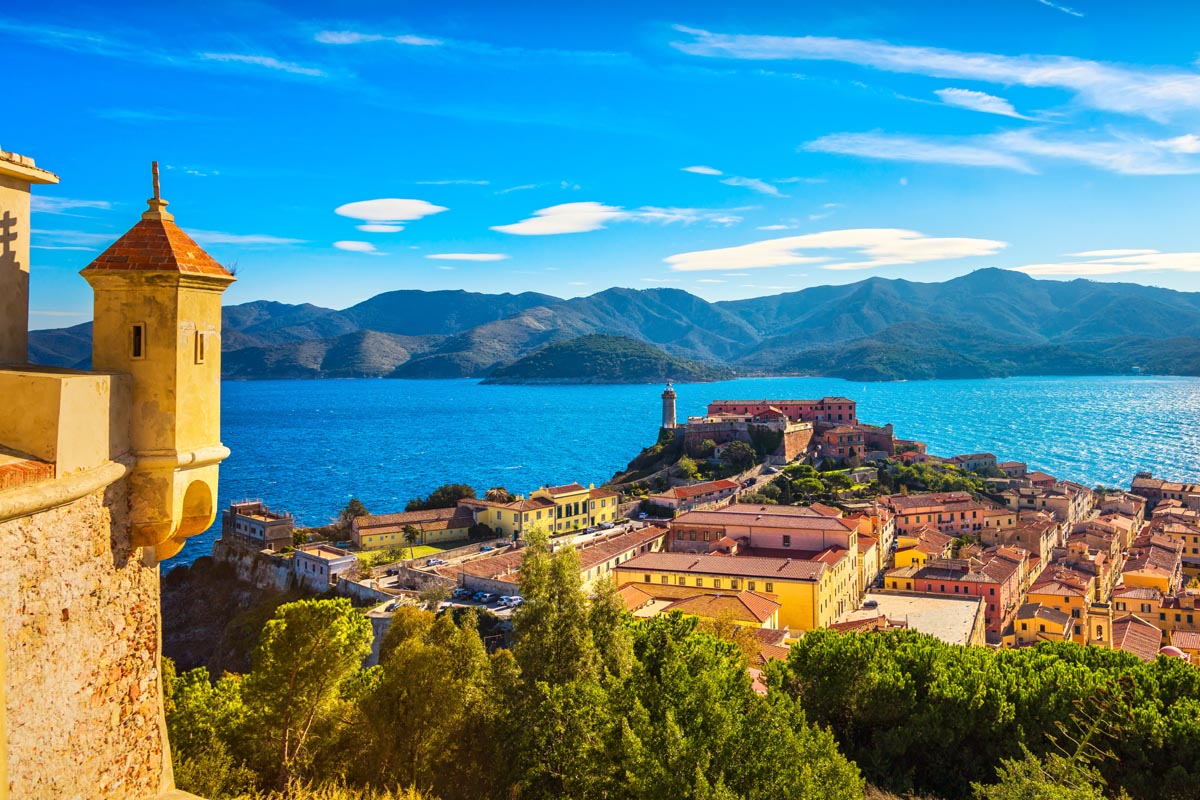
pixel 782 517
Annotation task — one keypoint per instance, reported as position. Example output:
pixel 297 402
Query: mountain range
pixel 989 323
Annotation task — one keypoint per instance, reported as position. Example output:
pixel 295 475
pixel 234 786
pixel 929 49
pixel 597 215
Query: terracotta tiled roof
pixel 592 554
pixel 430 519
pixel 157 245
pixel 1039 611
pixel 743 606
pixel 772 652
pixel 736 566
pixel 1135 635
pixel 764 517
pixel 567 488
pixel 597 493
pixel 632 597
pixel 697 489
pixel 1186 640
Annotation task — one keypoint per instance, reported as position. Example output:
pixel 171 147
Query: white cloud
pixel 1153 92
pixel 1115 262
pixel 686 216
pixel 352 37
pixel 978 101
pixel 776 227
pixel 577 283
pixel 356 247
pixel 523 187
pixel 61 205
pixel 1110 253
pixel 219 237
pixel 757 185
pixel 1188 143
pixel 564 218
pixel 469 256
pixel 1063 9
pixel 591 216
pixel 374 227
pixel 270 62
pixel 448 269
pixel 1125 155
pixel 881 247
pixel 913 148
pixel 389 210
pixel 702 170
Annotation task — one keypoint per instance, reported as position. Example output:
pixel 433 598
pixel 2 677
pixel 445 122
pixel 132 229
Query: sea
pixel 307 447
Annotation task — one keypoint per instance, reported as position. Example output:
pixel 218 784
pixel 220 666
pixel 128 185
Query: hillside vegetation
pixel 600 358
pixel 990 323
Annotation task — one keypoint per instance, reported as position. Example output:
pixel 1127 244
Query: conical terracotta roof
pixel 157 244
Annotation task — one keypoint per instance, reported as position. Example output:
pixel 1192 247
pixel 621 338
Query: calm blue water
pixel 309 446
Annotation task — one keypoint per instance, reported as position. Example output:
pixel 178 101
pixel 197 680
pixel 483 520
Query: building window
pixel 750 585
pixel 663 579
pixel 769 587
pixel 1078 631
pixel 201 346
pixel 682 581
pixel 716 583
pixel 699 581
pixel 787 540
pixel 645 578
pixel 137 341
pixel 733 584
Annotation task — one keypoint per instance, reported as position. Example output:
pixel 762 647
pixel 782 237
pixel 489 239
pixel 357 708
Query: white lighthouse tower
pixel 668 398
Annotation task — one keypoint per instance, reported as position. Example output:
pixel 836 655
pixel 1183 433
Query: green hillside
pixel 599 358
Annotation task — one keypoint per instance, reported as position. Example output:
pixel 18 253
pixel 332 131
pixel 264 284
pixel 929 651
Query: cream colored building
pixel 103 474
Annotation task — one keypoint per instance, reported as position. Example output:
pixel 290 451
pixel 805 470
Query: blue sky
pixel 728 149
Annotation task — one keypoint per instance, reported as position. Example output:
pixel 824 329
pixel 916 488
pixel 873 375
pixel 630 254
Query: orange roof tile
pixel 157 245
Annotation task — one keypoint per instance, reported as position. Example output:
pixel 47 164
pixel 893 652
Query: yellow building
pixel 103 474
pixel 914 549
pixel 554 509
pixel 434 526
pixel 1036 623
pixel 811 593
pixel 1068 592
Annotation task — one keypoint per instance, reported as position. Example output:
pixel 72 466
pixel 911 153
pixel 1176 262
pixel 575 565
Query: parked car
pixel 487 548
pixel 513 601
pixel 435 562
pixel 461 592
pixel 642 515
pixel 392 606
pixel 606 525
pixel 871 604
pixel 487 598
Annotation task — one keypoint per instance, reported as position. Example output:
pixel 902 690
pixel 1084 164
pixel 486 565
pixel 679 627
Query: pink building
pixel 828 409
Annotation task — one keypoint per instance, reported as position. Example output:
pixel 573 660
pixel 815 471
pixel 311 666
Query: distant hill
pixel 601 358
pixel 989 323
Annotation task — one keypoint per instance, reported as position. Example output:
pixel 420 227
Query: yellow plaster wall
pixel 14 271
pixel 75 420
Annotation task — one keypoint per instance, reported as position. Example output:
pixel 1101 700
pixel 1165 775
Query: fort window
pixel 646 578
pixel 137 341
pixel 750 585
pixel 769 587
pixel 700 581
pixel 663 579
pixel 201 342
pixel 682 581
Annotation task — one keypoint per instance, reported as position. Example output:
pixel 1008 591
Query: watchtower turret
pixel 158 318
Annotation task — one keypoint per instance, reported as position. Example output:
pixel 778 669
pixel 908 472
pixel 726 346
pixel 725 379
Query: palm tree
pixel 411 536
pixel 498 494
